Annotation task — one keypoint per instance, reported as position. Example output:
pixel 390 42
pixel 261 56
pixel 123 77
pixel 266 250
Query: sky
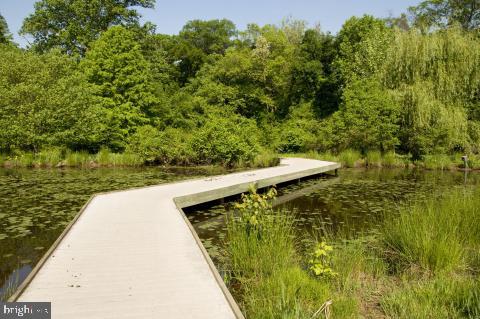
pixel 170 16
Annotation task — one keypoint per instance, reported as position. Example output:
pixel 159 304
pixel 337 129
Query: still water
pixel 36 205
pixel 355 201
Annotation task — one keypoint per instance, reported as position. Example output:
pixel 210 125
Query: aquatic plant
pixel 320 261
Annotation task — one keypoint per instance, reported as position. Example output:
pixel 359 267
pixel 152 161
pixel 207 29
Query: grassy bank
pixel 424 262
pixel 352 158
pixel 59 158
pixel 265 158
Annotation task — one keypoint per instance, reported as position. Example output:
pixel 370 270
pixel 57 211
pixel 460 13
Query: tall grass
pixel 263 159
pixel 11 286
pixel 443 297
pixel 374 159
pixel 78 159
pixel 266 269
pixel 437 161
pixel 125 159
pixel 440 235
pixel 350 158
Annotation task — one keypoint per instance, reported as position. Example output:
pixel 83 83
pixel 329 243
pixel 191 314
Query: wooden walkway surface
pixel 133 253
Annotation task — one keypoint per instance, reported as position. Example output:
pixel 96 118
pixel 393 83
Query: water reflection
pixel 355 201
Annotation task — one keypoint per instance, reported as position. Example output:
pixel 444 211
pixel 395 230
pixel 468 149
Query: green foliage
pixel 162 147
pixel 120 75
pixel 442 298
pixel 212 94
pixel 443 13
pixel 320 261
pixel 260 242
pixel 45 102
pixel 440 236
pixel 225 141
pixel 363 44
pixel 5 36
pixel 72 25
pixel 366 120
pixel 298 133
pixel 212 36
pixel 447 60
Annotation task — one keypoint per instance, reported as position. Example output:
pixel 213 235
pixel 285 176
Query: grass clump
pixel 436 236
pixel 390 160
pixel 77 159
pixel 437 161
pixel 48 157
pixel 350 158
pixel 439 298
pixel 265 159
pixel 373 159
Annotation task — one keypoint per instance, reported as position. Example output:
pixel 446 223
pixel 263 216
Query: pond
pixel 355 201
pixel 36 205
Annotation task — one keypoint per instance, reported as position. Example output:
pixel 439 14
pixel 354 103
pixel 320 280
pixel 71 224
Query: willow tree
pixel 436 77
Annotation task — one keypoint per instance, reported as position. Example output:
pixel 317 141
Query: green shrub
pixel 166 147
pixel 226 142
pixel 294 139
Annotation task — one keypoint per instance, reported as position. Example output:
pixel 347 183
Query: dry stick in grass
pixel 324 308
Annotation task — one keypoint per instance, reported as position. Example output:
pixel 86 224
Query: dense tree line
pixel 95 78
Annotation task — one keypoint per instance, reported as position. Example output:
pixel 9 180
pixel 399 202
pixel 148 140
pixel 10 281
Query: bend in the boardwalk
pixel 133 254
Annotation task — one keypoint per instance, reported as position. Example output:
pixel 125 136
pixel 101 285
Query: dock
pixel 134 254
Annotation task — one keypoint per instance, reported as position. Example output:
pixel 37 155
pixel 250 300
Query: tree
pixel 72 25
pixel 253 82
pixel 212 36
pixel 196 41
pixel 443 13
pixel 363 43
pixel 45 102
pixel 400 22
pixel 121 75
pixel 5 36
pixel 367 119
pixel 312 76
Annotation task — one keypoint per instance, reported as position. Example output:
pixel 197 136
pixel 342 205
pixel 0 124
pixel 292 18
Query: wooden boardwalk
pixel 133 253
